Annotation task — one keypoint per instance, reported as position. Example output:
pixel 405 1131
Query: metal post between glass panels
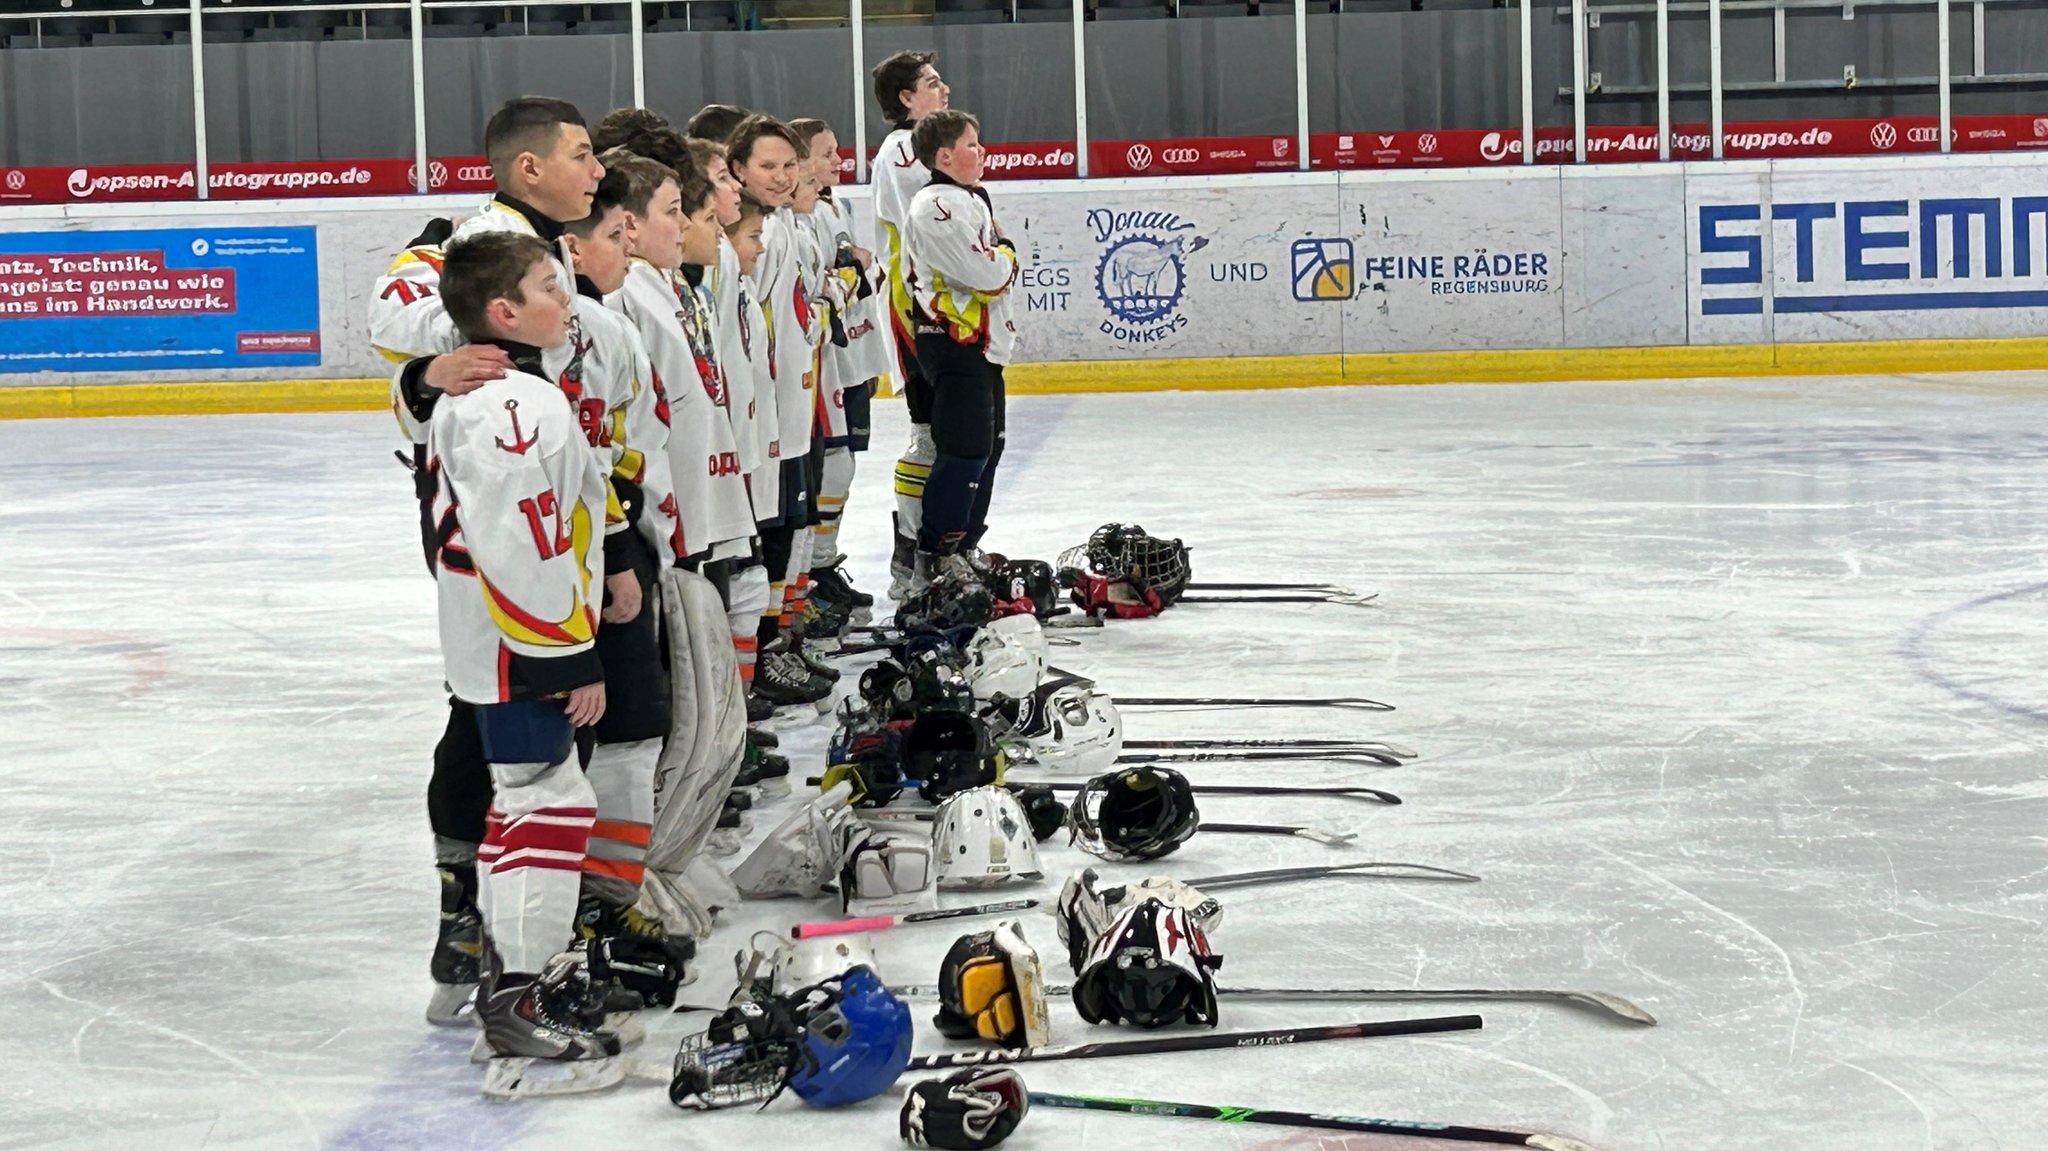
pixel 198 103
pixel 1301 83
pixel 1941 12
pixel 1080 92
pixel 1579 74
pixel 639 14
pixel 1528 85
pixel 421 181
pixel 856 20
pixel 1663 79
pixel 1714 75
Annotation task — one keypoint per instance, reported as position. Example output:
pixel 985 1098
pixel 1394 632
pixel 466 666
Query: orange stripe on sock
pixel 616 868
pixel 619 831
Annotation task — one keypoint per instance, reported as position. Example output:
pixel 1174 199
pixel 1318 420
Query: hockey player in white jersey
pixel 860 348
pixel 908 88
pixel 963 267
pixel 519 503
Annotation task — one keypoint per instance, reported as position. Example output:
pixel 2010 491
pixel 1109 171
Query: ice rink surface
pixel 1734 693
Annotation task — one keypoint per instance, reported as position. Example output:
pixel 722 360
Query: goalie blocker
pixel 992 987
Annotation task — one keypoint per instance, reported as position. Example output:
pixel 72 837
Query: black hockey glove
pixel 965 1111
pixel 652 968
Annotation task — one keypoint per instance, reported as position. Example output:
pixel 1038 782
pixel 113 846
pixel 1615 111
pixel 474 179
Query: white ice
pixel 1732 692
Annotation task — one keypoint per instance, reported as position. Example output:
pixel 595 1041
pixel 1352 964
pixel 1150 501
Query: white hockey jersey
pixel 963 274
pixel 869 350
pixel 710 489
pixel 787 299
pixel 518 500
pixel 898 176
pixel 734 341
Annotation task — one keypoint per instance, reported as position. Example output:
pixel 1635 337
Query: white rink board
pixel 1363 263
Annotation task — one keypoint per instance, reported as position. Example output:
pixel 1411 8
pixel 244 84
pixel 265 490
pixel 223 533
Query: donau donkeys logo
pixel 1142 275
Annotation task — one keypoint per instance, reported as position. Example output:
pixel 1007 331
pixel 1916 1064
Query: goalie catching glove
pixel 966 1111
pixel 992 987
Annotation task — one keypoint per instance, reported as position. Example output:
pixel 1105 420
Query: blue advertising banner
pixel 236 297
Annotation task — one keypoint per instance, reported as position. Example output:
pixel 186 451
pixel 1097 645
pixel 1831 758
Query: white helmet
pixel 801 963
pixel 983 839
pixel 1007 657
pixel 1071 727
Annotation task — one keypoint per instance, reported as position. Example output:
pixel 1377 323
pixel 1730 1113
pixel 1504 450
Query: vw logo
pixel 1180 156
pixel 1426 143
pixel 437 174
pixel 16 180
pixel 1883 136
pixel 1138 156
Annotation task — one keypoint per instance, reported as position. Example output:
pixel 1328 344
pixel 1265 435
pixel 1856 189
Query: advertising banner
pixel 232 296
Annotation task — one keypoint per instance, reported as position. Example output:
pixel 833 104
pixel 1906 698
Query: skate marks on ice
pixel 1941 647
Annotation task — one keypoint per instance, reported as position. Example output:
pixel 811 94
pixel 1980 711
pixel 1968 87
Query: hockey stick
pixel 1358 702
pixel 1348 600
pixel 1329 838
pixel 1326 838
pixel 1209 744
pixel 1278 1037
pixel 1372 793
pixel 1389 757
pixel 1335 589
pixel 1613 1006
pixel 1304 1119
pixel 1236 879
pixel 884 922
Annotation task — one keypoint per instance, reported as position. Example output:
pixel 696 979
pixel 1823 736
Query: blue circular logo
pixel 1140 278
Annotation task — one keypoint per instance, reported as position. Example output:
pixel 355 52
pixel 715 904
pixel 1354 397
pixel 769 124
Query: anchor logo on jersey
pixel 579 346
pixel 519 444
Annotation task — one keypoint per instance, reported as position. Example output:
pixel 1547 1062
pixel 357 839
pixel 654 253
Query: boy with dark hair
pixel 519 496
pixel 766 156
pixel 858 351
pixel 962 267
pixel 908 88
pixel 715 121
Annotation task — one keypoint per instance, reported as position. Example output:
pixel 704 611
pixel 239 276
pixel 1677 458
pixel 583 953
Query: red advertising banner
pixel 1053 160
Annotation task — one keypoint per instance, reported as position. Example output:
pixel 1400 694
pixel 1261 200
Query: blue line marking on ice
pixel 1913 649
pixel 432 1100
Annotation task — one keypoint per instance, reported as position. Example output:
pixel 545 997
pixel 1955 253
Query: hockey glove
pixel 966 1110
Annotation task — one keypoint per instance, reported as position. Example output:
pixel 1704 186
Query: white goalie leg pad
pixel 1027 975
pixel 695 772
pixel 803 853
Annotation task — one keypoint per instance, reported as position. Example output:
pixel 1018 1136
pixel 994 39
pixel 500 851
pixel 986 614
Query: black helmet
pixel 1137 812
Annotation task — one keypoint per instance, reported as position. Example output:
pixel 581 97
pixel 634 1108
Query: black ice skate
pixel 539 1044
pixel 458 949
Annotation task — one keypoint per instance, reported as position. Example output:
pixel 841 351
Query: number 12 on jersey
pixel 539 510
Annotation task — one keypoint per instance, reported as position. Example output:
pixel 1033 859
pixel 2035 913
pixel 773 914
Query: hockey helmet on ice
pixel 983 838
pixel 856 1041
pixel 1151 968
pixel 1136 812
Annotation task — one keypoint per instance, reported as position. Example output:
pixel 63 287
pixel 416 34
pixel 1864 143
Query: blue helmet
pixel 856 1042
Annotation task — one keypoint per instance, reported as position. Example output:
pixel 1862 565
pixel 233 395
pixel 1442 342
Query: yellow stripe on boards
pixel 1875 357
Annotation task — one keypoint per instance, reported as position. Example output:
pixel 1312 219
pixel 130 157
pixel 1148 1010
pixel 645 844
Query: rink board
pixel 1614 271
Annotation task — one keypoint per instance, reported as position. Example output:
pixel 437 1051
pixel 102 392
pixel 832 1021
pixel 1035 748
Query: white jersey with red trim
pixel 867 352
pixel 710 489
pixel 616 394
pixel 787 299
pixel 962 270
pixel 734 341
pixel 518 506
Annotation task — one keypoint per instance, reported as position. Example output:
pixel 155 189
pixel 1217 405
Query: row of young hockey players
pixel 635 383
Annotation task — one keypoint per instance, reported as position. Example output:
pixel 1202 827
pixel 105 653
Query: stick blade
pixel 1555 1143
pixel 1615 1005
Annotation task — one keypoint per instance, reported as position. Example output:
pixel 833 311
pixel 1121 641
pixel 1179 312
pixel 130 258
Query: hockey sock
pixel 949 499
pixel 532 855
pixel 622 777
pixel 913 472
pixel 459 792
pixel 984 492
pixel 750 597
pixel 833 487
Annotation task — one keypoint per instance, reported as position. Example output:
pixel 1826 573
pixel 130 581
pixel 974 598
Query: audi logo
pixel 1138 156
pixel 1180 156
pixel 1426 143
pixel 1883 135
pixel 1924 135
pixel 16 181
pixel 471 173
